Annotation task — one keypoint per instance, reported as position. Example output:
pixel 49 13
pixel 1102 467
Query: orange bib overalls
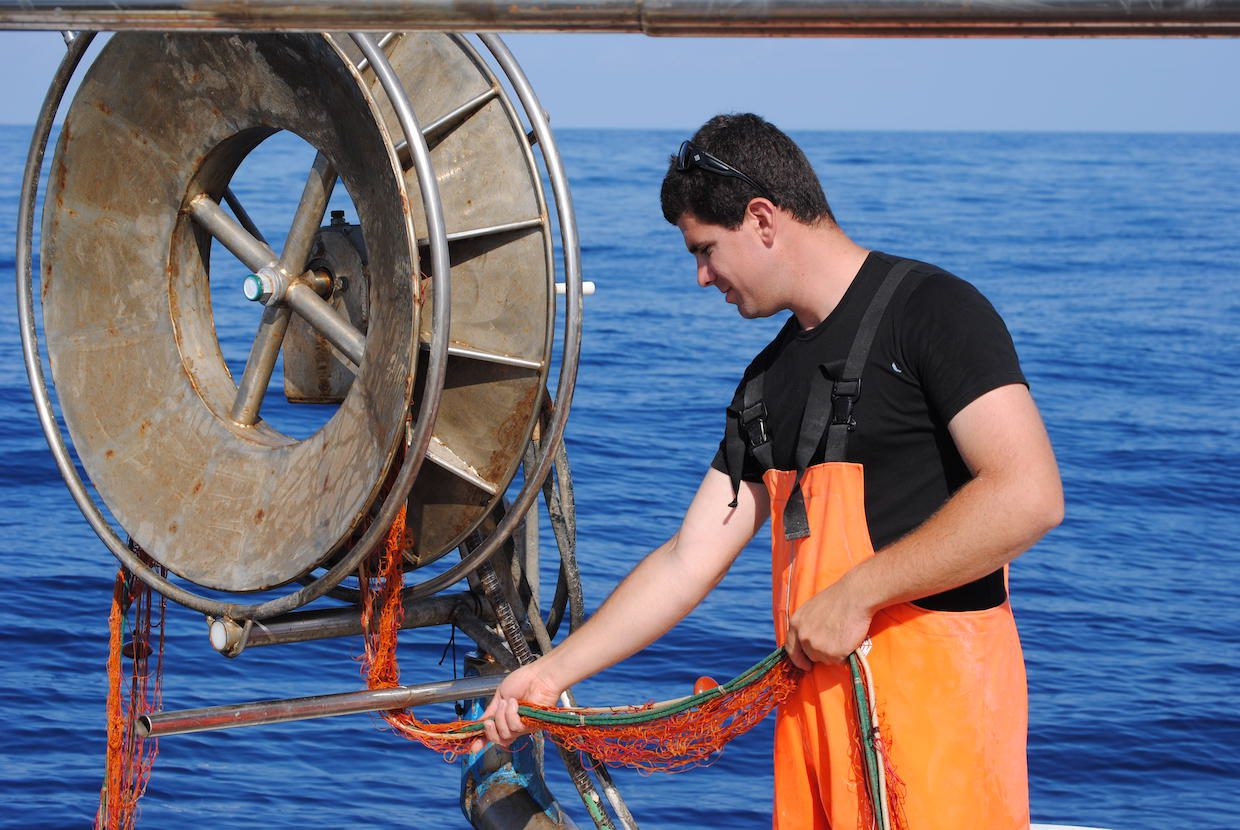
pixel 949 686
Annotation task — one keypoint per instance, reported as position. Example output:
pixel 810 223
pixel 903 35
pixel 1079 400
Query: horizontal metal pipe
pixel 886 18
pixel 262 712
pixel 325 623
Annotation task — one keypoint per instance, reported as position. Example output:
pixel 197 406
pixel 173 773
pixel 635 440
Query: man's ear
pixel 761 215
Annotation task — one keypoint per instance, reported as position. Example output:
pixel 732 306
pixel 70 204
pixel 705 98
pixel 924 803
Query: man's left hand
pixel 828 627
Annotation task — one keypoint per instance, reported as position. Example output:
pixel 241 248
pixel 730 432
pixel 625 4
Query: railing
pixel 821 18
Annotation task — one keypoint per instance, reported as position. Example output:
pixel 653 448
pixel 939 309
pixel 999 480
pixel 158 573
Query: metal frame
pixel 420 439
pixel 820 18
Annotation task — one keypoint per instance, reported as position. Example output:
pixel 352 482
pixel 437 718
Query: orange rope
pixel 109 815
pixel 127 767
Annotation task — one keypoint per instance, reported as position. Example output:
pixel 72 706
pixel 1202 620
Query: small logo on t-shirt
pixel 896 368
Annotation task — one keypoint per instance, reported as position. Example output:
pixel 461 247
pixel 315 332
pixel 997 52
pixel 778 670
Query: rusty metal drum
pixel 144 160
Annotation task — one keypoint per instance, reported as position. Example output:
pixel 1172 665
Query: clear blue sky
pixel 632 80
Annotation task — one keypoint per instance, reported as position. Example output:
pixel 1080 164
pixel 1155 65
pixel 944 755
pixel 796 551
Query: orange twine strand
pixel 664 744
pixel 127 767
pixel 382 614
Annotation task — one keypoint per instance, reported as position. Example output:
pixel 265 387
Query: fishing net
pixel 664 737
pixel 134 616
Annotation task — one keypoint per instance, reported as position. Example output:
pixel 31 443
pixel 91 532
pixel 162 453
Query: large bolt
pixel 266 286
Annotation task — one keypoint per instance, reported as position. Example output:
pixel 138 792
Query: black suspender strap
pixel 829 407
pixel 747 429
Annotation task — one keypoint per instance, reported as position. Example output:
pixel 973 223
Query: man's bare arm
pixel 660 591
pixel 1014 498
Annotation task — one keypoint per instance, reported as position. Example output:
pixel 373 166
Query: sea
pixel 1113 259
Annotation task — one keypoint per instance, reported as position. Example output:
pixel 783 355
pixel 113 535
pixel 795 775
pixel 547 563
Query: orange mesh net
pixel 655 737
pixel 129 757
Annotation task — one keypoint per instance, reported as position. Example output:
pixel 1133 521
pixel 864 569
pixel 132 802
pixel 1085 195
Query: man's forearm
pixel 665 586
pixel 655 596
pixel 985 525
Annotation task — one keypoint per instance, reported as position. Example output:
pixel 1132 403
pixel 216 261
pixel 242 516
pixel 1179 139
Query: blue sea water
pixel 1112 258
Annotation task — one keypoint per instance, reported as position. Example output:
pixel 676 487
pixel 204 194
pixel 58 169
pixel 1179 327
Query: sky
pixel 592 80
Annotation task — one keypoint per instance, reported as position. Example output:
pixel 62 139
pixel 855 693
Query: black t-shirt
pixel 940 346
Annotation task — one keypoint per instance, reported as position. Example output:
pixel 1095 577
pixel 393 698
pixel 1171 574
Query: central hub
pixel 314 370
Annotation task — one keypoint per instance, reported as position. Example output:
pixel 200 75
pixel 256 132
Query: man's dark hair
pixel 761 151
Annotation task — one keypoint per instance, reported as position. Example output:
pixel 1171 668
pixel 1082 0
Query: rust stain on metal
pixel 144 426
pixel 197 489
pixel 109 454
pixel 513 430
pixel 259 516
pixel 172 528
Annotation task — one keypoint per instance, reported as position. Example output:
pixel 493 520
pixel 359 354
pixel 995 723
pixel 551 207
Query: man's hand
pixel 828 627
pixel 500 720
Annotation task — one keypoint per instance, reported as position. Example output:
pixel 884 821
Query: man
pixel 889 414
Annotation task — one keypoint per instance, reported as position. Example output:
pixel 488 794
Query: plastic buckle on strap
pixel 845 391
pixel 753 424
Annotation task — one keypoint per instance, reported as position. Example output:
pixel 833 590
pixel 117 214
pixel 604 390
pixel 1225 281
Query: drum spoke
pixel 270 337
pixel 243 216
pixel 326 321
pixel 260 365
pixel 309 216
pixel 253 253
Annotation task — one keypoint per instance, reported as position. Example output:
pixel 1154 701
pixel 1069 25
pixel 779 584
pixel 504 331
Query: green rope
pixel 867 740
pixel 628 718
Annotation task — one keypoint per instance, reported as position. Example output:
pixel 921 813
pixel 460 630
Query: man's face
pixel 733 261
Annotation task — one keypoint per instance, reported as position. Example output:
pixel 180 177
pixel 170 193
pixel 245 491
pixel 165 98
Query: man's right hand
pixel 500 720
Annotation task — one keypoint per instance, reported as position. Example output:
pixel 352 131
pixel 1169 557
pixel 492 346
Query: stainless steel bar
pixel 243 216
pixel 264 352
pixel 889 18
pixel 213 218
pixel 323 318
pixel 387 38
pixel 309 216
pixel 443 456
pixel 270 336
pixel 258 713
pixel 438 129
pixel 445 124
pixel 492 357
pixel 328 623
pixel 490 230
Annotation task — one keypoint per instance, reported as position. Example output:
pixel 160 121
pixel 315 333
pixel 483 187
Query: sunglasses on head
pixel 690 157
